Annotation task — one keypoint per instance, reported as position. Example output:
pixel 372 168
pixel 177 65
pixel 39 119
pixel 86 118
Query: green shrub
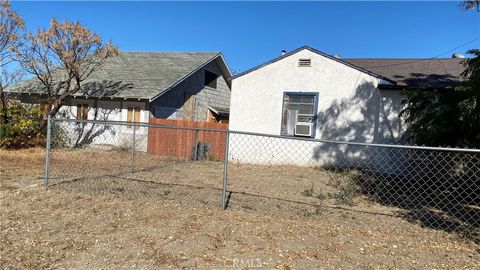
pixel 308 192
pixel 346 194
pixel 22 126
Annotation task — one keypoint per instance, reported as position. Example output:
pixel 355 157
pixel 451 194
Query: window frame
pixel 80 101
pixel 315 95
pixel 205 71
pixel 84 109
pixel 133 120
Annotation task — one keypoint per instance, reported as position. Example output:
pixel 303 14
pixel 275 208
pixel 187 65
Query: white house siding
pixel 348 110
pixel 105 135
pixel 391 128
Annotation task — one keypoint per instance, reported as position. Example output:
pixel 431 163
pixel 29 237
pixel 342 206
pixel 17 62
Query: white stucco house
pixel 136 86
pixel 306 93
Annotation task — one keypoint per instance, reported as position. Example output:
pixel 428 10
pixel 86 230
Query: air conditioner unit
pixel 304 129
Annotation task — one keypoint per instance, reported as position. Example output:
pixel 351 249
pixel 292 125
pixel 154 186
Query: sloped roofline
pixel 320 53
pixel 229 75
pixel 224 68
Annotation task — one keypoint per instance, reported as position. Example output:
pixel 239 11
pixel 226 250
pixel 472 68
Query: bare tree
pixel 11 29
pixel 62 57
pixel 471 4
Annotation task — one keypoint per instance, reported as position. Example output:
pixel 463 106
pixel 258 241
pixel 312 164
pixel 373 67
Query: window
pixel 133 115
pixel 304 62
pixel 82 112
pixel 210 79
pixel 299 114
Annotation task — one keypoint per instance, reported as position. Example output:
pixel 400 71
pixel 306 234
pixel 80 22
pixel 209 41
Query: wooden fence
pixel 181 143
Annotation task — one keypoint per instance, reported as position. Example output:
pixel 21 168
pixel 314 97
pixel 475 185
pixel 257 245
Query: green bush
pixel 21 128
pixel 308 192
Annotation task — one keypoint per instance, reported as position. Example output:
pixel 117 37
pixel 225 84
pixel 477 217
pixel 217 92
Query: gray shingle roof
pixel 137 74
pixel 416 73
pixel 402 73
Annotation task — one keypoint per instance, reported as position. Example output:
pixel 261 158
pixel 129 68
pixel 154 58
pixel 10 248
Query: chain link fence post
pixel 195 154
pixel 133 148
pixel 225 170
pixel 47 151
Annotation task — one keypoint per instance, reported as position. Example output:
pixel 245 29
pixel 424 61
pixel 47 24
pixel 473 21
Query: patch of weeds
pixel 308 192
pixel 306 213
pixel 119 189
pixel 318 210
pixel 247 207
pixel 319 168
pixel 166 193
pixel 344 181
pixel 334 179
pixel 323 196
pixel 346 194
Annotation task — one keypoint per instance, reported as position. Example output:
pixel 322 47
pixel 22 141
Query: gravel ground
pixel 168 217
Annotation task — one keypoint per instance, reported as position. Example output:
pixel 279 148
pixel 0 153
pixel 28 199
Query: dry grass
pixel 173 221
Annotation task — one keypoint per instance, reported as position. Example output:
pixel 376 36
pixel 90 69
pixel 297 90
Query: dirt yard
pixel 97 214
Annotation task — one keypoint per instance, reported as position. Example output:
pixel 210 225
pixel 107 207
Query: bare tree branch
pixel 11 29
pixel 62 57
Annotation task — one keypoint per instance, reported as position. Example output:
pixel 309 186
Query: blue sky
pixel 249 33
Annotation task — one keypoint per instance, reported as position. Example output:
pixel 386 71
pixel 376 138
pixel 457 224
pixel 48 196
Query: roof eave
pixel 418 87
pixel 317 52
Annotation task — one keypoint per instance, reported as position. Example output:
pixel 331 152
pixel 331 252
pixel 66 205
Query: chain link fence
pixel 437 188
pixel 136 161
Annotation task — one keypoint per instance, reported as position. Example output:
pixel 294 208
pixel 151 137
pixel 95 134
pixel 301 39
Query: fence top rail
pixel 429 148
pixel 145 124
pixel 136 124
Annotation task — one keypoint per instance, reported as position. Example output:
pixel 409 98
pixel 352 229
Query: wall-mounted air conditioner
pixel 304 129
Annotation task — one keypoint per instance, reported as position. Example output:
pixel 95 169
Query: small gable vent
pixel 302 62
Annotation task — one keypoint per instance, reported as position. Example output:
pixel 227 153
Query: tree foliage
pixel 11 35
pixel 22 129
pixel 62 57
pixel 471 4
pixel 447 117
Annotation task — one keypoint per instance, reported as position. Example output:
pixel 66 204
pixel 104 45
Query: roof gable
pixel 319 53
pixel 222 65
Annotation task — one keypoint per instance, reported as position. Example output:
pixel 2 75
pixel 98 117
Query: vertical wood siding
pixel 179 143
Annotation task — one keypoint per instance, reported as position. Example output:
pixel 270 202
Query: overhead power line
pixel 428 59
